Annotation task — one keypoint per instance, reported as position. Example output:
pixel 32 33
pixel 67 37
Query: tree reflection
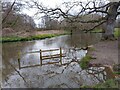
pixel 10 55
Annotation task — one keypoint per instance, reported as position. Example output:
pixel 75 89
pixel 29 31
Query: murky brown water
pixel 10 56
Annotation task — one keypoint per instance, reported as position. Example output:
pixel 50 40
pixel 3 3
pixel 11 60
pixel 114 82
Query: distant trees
pixel 13 19
pixel 74 11
pixel 49 23
pixel 66 24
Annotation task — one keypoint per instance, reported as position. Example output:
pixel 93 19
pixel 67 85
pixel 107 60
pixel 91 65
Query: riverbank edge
pixel 85 62
pixel 116 31
pixel 29 38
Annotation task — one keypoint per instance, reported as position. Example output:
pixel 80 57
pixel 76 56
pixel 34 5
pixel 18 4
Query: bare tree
pixel 108 11
pixel 15 20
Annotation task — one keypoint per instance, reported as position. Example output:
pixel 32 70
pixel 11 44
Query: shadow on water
pixel 10 50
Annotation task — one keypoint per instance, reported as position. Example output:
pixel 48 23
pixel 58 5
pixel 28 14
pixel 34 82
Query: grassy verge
pixel 108 84
pixel 36 37
pixel 85 61
pixel 117 32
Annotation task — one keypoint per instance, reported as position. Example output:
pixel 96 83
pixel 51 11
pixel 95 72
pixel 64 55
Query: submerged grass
pixel 36 37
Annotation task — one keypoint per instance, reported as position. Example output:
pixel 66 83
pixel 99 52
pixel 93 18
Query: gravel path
pixel 106 53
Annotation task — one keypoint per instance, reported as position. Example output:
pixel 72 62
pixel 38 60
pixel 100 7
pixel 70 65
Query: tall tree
pixel 109 25
pixel 11 18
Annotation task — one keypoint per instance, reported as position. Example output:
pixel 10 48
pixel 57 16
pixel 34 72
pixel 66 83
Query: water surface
pixel 10 50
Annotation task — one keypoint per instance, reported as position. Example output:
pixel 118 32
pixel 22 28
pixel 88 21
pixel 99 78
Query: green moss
pixel 85 61
pixel 36 37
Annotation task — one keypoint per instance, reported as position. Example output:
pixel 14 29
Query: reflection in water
pixel 83 39
pixel 10 50
pixel 10 55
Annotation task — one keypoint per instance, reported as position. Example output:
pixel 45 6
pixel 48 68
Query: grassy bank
pixel 36 37
pixel 116 31
pixel 111 83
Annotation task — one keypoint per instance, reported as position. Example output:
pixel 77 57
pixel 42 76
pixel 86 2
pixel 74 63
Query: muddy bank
pixel 105 52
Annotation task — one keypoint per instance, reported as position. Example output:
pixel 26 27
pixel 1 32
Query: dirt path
pixel 106 53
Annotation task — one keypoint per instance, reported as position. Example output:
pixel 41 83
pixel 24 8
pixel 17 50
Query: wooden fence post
pixel 61 55
pixel 19 60
pixel 19 63
pixel 40 57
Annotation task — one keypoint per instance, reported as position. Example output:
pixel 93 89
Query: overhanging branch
pixel 87 30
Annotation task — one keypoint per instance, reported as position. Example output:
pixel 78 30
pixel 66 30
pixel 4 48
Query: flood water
pixel 10 56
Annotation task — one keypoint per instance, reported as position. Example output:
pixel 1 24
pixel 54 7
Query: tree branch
pixel 118 13
pixel 87 30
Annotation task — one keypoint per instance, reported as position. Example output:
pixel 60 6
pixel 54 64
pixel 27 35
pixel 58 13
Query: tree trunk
pixel 109 30
pixel 109 26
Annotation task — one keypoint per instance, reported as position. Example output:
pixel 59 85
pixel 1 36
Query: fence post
pixel 19 60
pixel 19 63
pixel 61 55
pixel 40 57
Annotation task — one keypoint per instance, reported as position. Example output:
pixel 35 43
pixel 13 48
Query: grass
pixel 117 32
pixel 85 61
pixel 108 84
pixel 111 83
pixel 91 49
pixel 36 37
pixel 117 73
